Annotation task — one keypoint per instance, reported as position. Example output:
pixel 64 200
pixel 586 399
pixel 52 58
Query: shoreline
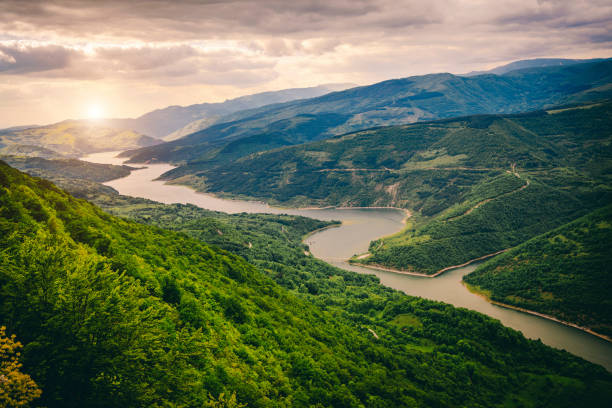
pixel 232 197
pixel 471 289
pixel 311 233
pixel 424 275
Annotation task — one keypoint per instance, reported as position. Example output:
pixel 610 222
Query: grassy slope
pixel 115 313
pixel 566 273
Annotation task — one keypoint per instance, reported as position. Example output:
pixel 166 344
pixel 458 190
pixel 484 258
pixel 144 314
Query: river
pixel 359 227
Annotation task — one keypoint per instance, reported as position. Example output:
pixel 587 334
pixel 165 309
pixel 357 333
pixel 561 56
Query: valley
pixel 336 245
pixel 305 204
pixel 438 239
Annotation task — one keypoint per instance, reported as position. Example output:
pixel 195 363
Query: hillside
pixel 115 313
pixel 566 273
pixel 53 169
pixel 70 138
pixel 174 122
pixel 386 103
pixel 466 179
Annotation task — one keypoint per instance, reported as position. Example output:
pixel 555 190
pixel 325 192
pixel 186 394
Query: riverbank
pixel 308 235
pixel 483 294
pixel 423 275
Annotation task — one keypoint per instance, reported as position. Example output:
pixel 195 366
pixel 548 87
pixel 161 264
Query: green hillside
pixel 566 273
pixel 116 313
pixel 71 138
pixel 477 184
pixel 392 102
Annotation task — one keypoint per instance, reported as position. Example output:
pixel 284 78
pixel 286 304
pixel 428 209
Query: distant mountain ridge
pixel 532 63
pixel 392 102
pixel 71 138
pixel 175 121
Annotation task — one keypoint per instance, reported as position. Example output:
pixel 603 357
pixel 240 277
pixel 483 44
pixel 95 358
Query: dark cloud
pixel 187 19
pixel 16 58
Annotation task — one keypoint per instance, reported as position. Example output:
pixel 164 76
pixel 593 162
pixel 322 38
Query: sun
pixel 95 111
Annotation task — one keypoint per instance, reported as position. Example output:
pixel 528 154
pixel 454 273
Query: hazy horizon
pixel 65 59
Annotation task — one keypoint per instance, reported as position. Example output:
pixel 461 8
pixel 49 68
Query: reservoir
pixel 359 227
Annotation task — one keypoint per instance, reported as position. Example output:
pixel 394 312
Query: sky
pixel 64 59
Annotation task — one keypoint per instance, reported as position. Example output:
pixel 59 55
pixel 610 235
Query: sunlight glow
pixel 95 111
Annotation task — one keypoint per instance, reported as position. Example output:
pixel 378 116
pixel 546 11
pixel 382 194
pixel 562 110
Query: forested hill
pixel 386 103
pixel 116 313
pixel 466 179
pixel 566 273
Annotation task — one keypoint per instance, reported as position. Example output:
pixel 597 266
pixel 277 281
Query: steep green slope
pixel 71 138
pixel 115 313
pixel 386 103
pixel 566 273
pixel 477 185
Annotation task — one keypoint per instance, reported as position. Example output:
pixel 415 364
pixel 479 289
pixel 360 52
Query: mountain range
pixel 387 103
pixel 173 122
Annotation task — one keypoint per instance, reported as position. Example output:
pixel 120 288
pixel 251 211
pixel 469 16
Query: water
pixel 359 227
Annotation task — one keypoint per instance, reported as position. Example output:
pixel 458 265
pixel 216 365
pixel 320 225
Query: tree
pixel 16 388
pixel 224 401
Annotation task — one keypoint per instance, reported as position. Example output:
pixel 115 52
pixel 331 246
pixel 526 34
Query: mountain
pixel 116 313
pixel 391 102
pixel 566 273
pixel 73 138
pixel 174 122
pixel 479 184
pixel 533 63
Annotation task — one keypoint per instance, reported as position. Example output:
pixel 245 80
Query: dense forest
pixel 112 312
pixel 566 272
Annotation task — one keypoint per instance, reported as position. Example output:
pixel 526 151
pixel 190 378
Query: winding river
pixel 359 227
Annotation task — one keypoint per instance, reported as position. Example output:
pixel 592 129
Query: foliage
pixel 116 313
pixel 16 388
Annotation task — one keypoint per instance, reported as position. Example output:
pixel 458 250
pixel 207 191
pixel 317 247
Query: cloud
pixel 191 51
pixel 157 20
pixel 167 65
pixel 16 58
